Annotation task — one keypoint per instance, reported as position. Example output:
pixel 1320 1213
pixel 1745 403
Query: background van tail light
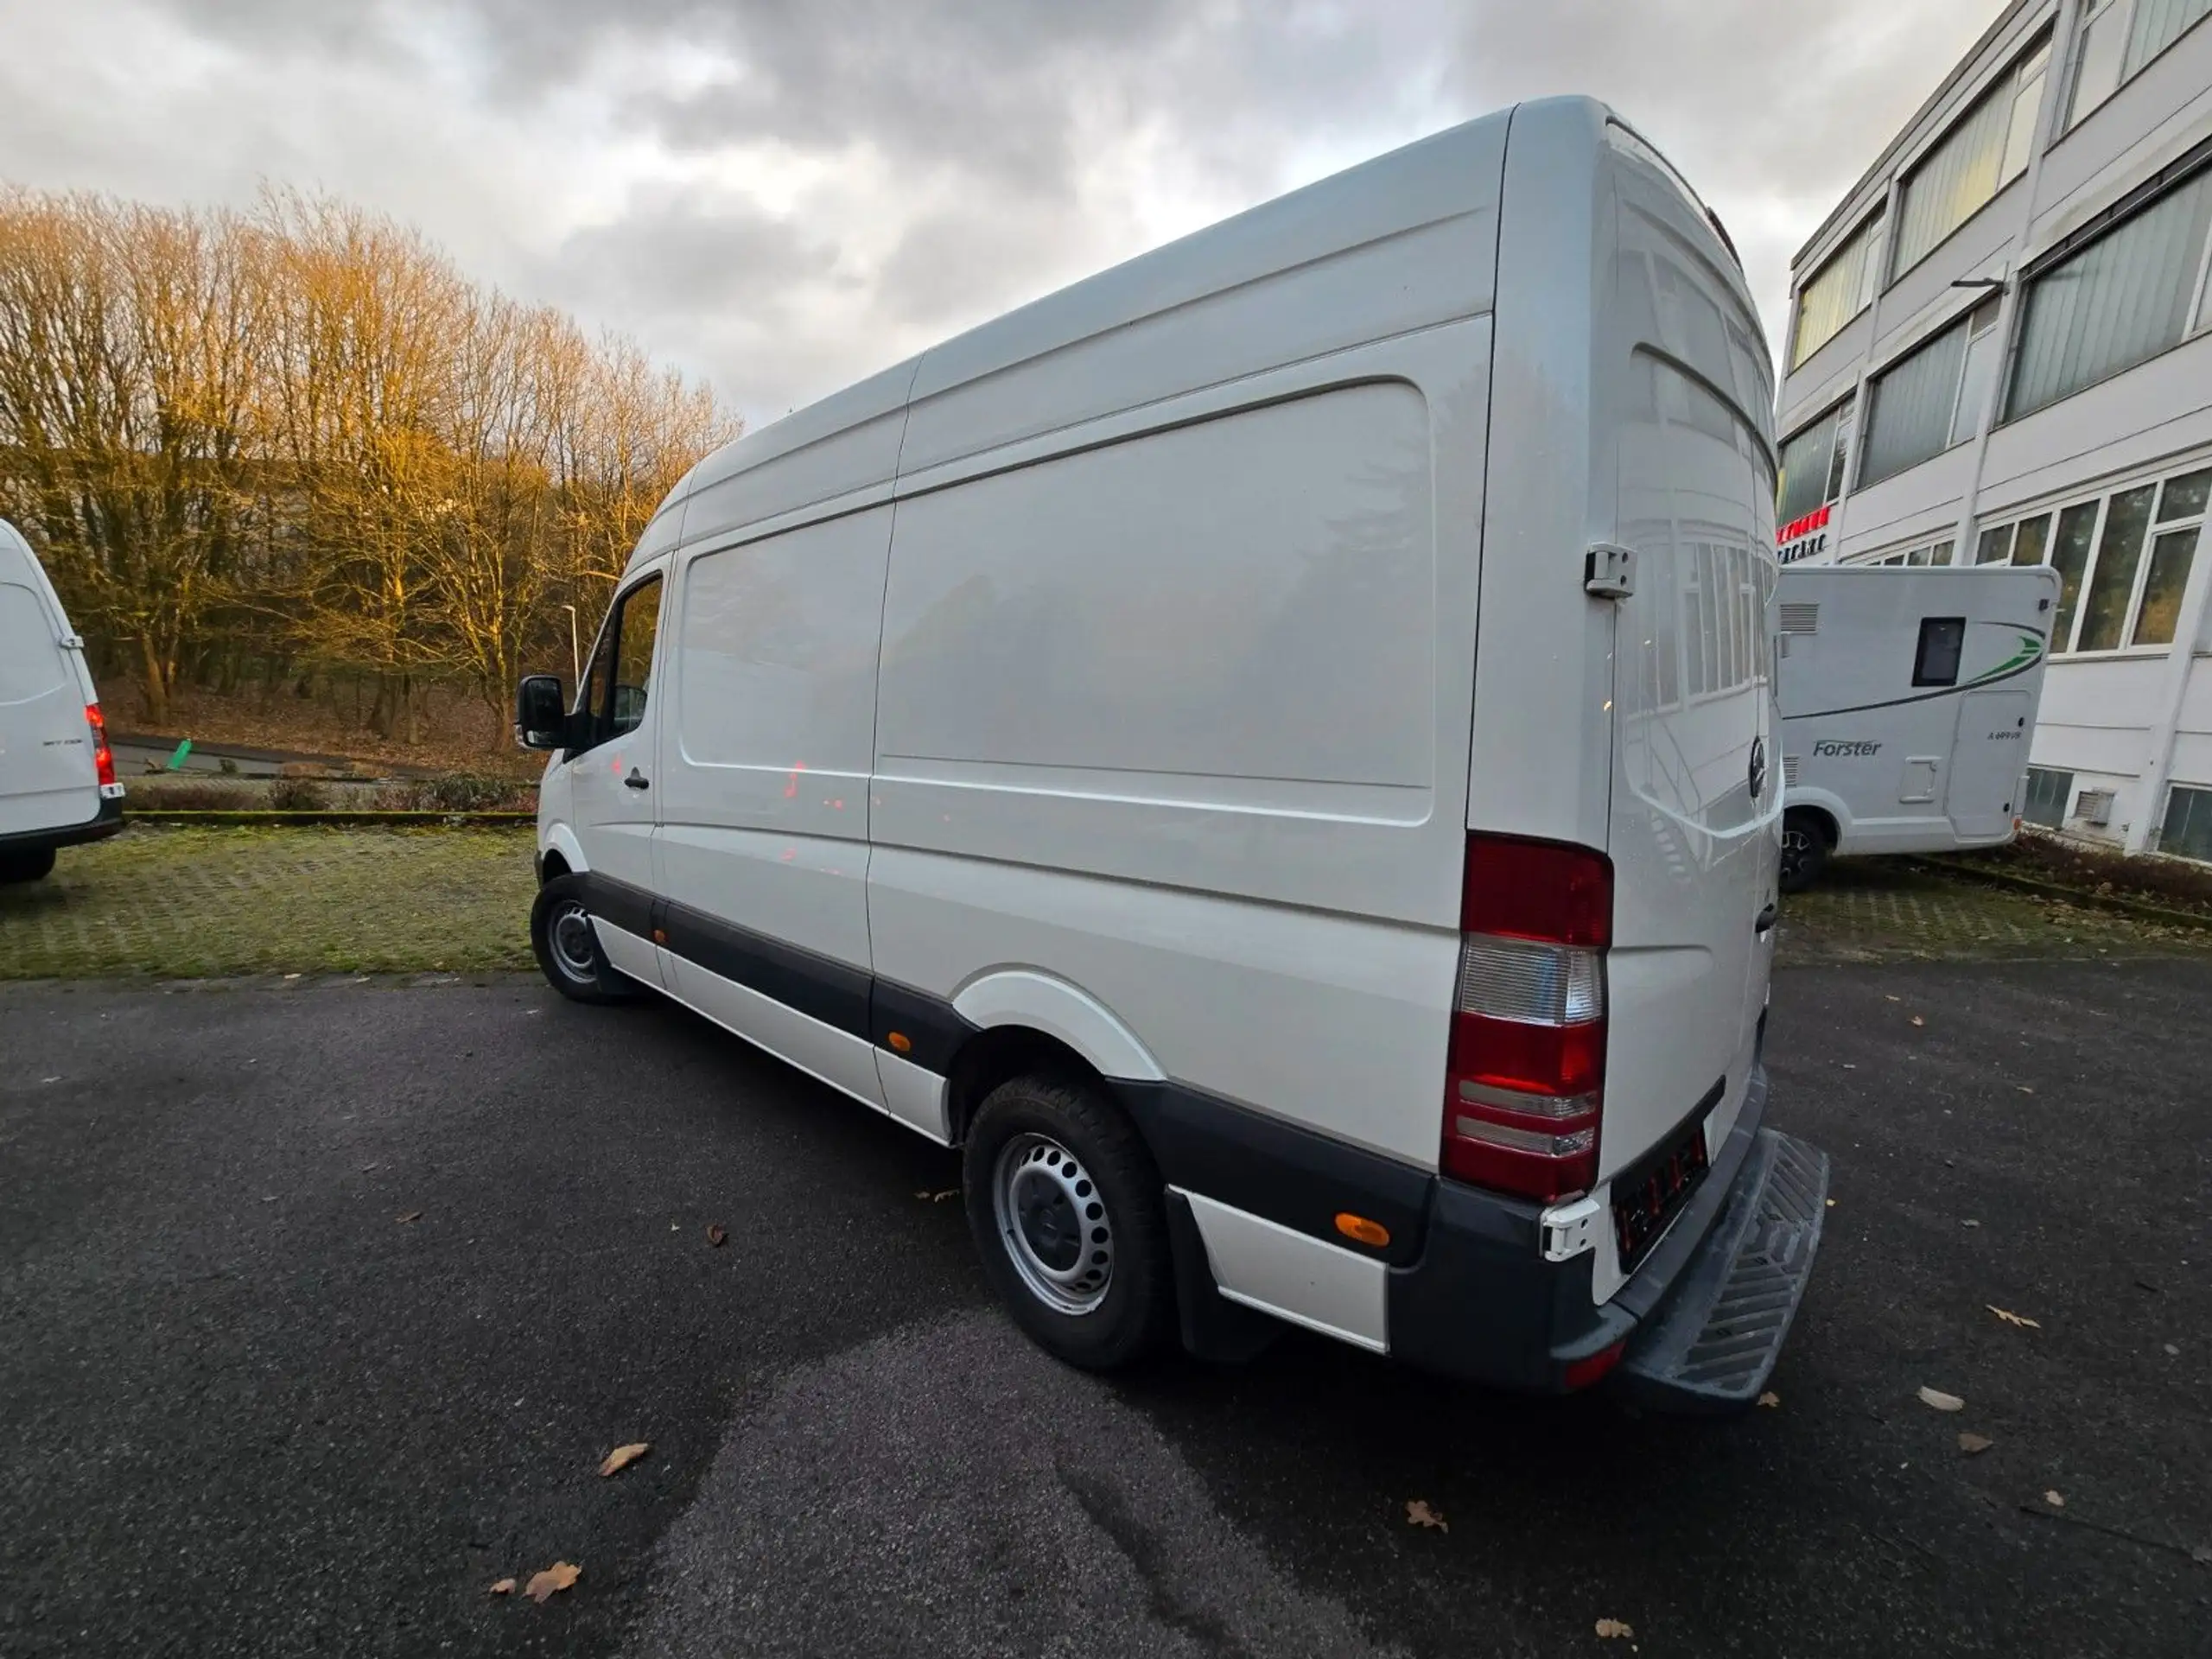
pixel 1524 1086
pixel 103 757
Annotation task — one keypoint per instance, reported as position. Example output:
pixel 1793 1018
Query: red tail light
pixel 103 757
pixel 1525 1082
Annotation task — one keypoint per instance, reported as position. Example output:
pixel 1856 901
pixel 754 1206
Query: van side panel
pixel 1182 719
pixel 48 779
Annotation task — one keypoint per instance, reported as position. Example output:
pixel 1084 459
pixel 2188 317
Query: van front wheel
pixel 1069 1214
pixel 567 946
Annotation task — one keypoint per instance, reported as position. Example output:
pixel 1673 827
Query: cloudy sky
pixel 785 194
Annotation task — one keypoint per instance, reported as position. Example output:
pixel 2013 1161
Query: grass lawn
pixel 194 903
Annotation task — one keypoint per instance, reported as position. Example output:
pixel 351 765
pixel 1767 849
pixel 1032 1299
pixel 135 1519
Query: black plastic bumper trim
pixel 835 993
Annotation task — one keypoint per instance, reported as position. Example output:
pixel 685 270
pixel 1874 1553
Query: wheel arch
pixel 560 843
pixel 1026 1021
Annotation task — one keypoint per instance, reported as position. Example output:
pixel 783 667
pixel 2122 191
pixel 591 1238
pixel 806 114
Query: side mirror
pixel 541 716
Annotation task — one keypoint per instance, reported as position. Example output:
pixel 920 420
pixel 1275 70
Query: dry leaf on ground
pixel 503 1587
pixel 1418 1513
pixel 1619 1627
pixel 2011 1318
pixel 1971 1443
pixel 716 1235
pixel 949 1193
pixel 1886 997
pixel 1917 1020
pixel 1770 1398
pixel 1941 1401
pixel 2202 1555
pixel 2054 1500
pixel 555 1578
pixel 623 1456
pixel 412 1215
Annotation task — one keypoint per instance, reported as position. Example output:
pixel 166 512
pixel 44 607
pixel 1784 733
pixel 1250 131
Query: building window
pixel 1933 553
pixel 2188 827
pixel 2047 793
pixel 2123 560
pixel 2119 37
pixel 1936 662
pixel 2134 292
pixel 1839 291
pixel 1931 398
pixel 1986 151
pixel 1812 465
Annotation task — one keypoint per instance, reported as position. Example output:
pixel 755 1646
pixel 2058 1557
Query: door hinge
pixel 1570 1229
pixel 73 642
pixel 1609 571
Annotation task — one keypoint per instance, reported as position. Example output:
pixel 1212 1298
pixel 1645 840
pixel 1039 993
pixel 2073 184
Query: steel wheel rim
pixel 1054 1224
pixel 574 947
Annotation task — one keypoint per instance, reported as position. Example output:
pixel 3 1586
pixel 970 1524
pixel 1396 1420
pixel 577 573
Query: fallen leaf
pixel 949 1193
pixel 412 1215
pixel 1831 1204
pixel 716 1235
pixel 923 1195
pixel 2202 1555
pixel 2054 1500
pixel 2024 1088
pixel 1770 1398
pixel 543 1586
pixel 503 1587
pixel 1941 1401
pixel 1418 1513
pixel 2173 1350
pixel 1970 1444
pixel 1619 1627
pixel 2011 1318
pixel 1886 997
pixel 1969 1222
pixel 623 1456
pixel 1917 1020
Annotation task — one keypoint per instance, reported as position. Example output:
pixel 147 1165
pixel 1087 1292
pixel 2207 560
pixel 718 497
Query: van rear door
pixel 1696 786
pixel 48 778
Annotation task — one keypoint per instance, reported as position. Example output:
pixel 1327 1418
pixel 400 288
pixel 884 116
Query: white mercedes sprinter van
pixel 57 778
pixel 1909 699
pixel 1267 750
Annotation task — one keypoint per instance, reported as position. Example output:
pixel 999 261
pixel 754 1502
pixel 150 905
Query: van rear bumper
pixel 100 825
pixel 1482 1303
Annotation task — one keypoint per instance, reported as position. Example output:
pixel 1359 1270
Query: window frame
pixel 1922 674
pixel 2174 791
pixel 595 725
pixel 1960 321
pixel 2005 83
pixel 2076 115
pixel 2131 617
pixel 1845 409
pixel 1868 232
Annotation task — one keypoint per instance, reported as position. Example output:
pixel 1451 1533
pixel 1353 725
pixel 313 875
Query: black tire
pixel 25 867
pixel 1033 1123
pixel 1804 851
pixel 569 955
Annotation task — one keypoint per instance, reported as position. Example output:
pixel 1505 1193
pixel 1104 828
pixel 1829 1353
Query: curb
pixel 308 820
pixel 2077 896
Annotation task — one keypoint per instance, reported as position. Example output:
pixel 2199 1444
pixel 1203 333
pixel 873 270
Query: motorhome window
pixel 1976 159
pixel 2188 827
pixel 1941 639
pixel 2119 37
pixel 2126 297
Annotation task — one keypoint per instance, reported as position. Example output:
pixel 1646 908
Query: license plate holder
pixel 1651 1193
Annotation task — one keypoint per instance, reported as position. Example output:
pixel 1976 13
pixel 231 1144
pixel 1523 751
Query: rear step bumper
pixel 1712 1344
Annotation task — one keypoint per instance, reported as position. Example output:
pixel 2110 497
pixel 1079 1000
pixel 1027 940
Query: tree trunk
pixel 153 683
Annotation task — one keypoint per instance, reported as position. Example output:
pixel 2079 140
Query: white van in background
pixel 1908 702
pixel 57 778
pixel 1266 750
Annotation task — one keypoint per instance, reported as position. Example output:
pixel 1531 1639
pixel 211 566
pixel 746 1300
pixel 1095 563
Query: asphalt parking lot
pixel 320 1305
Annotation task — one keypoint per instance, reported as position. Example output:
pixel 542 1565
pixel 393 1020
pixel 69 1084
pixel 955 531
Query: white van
pixel 57 778
pixel 1265 749
pixel 1908 702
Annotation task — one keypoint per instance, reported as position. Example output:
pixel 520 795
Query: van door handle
pixel 1766 918
pixel 636 780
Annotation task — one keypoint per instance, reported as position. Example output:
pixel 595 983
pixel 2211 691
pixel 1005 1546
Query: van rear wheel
pixel 1804 852
pixel 25 867
pixel 567 946
pixel 1069 1216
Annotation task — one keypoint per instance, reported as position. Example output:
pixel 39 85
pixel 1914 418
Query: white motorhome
pixel 1908 702
pixel 1266 750
pixel 57 778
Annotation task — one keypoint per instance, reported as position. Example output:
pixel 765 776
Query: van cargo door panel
pixel 47 778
